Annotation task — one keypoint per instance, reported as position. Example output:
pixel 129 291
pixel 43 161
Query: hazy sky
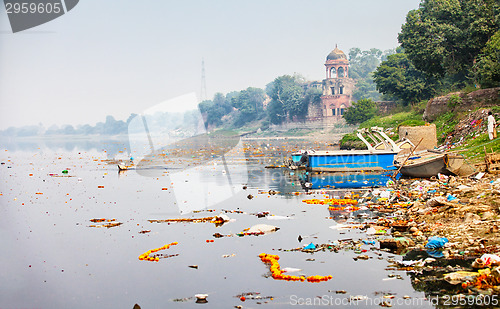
pixel 121 57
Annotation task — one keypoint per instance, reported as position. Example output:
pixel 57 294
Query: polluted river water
pixel 77 233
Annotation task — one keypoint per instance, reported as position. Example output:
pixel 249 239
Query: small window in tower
pixel 333 111
pixel 342 111
pixel 341 90
pixel 333 90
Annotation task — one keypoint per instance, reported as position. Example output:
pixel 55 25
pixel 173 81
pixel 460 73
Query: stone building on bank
pixel 337 88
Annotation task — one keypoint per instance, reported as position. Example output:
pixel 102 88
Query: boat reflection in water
pixel 313 181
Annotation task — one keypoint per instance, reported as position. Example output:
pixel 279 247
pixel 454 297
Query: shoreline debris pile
pixel 454 222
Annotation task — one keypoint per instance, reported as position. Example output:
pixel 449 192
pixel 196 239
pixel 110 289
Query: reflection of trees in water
pixel 111 146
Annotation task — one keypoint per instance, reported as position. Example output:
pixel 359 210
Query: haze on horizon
pixel 106 59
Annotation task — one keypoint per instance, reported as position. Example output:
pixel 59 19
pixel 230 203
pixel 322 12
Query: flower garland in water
pixel 277 273
pixel 331 201
pixel 348 208
pixel 145 256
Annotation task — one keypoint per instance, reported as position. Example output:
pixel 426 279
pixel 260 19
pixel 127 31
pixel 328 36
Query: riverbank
pixel 456 220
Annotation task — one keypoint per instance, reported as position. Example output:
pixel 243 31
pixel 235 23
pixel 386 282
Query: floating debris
pixel 278 274
pixel 330 201
pixel 108 223
pixel 216 219
pixel 146 256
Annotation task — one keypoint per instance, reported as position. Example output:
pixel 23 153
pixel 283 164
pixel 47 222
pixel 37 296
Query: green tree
pixel 365 89
pixel 362 64
pixel 360 111
pixel 488 66
pixel 313 96
pixel 287 99
pixel 398 78
pixel 211 112
pixel 249 104
pixel 222 101
pixel 445 37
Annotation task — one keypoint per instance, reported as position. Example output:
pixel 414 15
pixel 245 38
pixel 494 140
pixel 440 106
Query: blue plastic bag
pixel 435 242
pixel 310 246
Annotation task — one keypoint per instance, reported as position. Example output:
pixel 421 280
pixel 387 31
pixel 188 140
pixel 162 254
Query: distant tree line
pixel 287 98
pixel 110 127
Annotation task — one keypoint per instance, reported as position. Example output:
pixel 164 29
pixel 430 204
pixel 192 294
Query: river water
pixel 54 256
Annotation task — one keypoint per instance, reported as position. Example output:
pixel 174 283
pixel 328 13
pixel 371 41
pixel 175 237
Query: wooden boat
pixel 375 158
pixel 431 163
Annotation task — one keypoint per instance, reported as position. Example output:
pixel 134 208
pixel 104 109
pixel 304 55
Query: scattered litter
pixel 108 223
pixel 436 242
pixel 277 272
pixel 146 256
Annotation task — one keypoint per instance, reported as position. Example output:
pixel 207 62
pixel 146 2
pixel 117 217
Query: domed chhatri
pixel 337 86
pixel 336 54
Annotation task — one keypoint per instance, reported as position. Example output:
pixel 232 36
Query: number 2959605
pixel 33 8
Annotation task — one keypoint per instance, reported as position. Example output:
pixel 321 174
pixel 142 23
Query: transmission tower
pixel 203 91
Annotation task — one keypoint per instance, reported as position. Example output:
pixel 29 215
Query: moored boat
pixel 431 163
pixel 377 157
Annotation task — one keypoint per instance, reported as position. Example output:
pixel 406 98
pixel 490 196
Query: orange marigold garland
pixel 277 273
pixel 331 201
pixel 146 255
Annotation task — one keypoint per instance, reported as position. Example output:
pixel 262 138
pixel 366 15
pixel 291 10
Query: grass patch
pixel 394 120
pixel 474 148
pixel 445 124
pixel 351 141
pixel 419 108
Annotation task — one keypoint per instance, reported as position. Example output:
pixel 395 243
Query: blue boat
pixel 377 157
pixel 349 180
pixel 353 160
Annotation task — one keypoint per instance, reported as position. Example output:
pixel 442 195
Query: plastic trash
pixel 488 259
pixel 436 242
pixel 64 171
pixel 460 276
pixel 436 201
pixel 274 217
pixel 450 198
pixel 442 177
pixel 385 194
pixel 262 228
pixel 435 253
pixel 290 270
pixel 310 246
pixel 201 298
pixel 371 231
pixel 368 242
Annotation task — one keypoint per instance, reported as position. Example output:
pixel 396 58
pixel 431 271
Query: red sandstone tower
pixel 337 87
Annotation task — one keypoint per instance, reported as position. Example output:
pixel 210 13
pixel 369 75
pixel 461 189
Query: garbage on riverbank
pixel 453 219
